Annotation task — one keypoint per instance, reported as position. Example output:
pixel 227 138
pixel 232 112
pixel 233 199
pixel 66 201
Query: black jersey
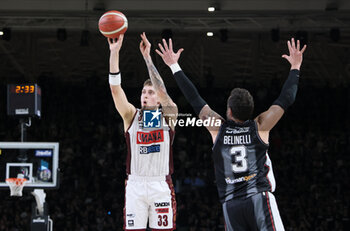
pixel 242 165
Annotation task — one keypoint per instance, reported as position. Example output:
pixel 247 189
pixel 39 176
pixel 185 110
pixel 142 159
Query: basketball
pixel 112 24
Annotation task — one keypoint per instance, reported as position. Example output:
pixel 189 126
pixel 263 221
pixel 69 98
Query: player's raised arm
pixel 268 119
pixel 125 109
pixel 200 107
pixel 169 108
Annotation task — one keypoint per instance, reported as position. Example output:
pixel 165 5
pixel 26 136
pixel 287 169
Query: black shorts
pixel 258 212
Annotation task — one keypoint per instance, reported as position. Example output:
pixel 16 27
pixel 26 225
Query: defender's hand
pixel 167 53
pixel 145 46
pixel 115 44
pixel 295 57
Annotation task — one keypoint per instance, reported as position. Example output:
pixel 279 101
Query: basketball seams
pixel 115 31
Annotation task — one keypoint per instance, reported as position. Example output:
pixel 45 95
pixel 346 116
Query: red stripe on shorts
pixel 268 205
pixel 173 201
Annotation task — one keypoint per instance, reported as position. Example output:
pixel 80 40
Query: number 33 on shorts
pixel 157 207
pixel 164 213
pixel 163 220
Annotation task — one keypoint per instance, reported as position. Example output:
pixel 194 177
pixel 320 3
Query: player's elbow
pixel 286 100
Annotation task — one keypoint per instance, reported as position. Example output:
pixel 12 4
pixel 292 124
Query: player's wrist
pixel 115 78
pixel 147 58
pixel 114 52
pixel 146 55
pixel 295 67
pixel 175 67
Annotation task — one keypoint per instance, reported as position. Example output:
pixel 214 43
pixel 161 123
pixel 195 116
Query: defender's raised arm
pixel 268 119
pixel 200 107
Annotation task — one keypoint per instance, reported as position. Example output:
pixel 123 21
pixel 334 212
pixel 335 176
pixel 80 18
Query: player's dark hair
pixel 241 104
pixel 148 82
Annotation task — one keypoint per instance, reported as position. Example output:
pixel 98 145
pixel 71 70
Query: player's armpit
pixel 268 119
pixel 125 109
pixel 215 120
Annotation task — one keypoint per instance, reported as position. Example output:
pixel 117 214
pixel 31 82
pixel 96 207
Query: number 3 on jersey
pixel 239 159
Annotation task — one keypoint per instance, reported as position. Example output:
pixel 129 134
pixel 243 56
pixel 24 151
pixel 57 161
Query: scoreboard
pixel 23 100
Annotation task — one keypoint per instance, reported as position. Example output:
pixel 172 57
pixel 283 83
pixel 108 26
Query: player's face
pixel 149 98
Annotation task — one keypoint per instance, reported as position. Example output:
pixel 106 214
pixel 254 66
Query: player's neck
pixel 143 108
pixel 148 108
pixel 236 120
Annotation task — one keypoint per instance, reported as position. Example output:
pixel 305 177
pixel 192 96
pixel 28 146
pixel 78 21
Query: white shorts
pixel 149 199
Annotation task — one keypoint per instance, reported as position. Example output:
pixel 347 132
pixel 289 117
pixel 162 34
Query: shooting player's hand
pixel 295 57
pixel 167 53
pixel 115 44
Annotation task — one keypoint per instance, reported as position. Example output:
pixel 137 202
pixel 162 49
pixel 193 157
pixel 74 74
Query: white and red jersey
pixel 149 150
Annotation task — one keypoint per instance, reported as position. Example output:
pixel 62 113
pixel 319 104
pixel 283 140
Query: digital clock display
pixel 24 100
pixel 23 89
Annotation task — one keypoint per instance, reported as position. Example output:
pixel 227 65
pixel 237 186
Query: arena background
pixel 309 147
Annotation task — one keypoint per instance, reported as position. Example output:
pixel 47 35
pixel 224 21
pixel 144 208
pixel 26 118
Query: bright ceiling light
pixel 211 9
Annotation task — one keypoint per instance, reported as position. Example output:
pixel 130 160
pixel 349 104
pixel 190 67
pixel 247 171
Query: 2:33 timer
pixel 25 89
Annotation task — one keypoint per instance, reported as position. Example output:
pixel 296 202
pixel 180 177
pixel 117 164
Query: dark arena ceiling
pixel 249 38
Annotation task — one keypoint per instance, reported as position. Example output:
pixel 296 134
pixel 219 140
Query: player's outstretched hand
pixel 295 57
pixel 145 46
pixel 167 53
pixel 115 44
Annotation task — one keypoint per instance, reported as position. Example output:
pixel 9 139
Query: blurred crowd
pixel 309 151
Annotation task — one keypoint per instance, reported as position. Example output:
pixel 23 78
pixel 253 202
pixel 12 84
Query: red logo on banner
pixel 150 137
pixel 166 210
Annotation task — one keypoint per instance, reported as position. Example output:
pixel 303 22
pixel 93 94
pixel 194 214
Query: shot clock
pixel 24 100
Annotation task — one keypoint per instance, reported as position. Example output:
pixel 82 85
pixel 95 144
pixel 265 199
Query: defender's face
pixel 149 98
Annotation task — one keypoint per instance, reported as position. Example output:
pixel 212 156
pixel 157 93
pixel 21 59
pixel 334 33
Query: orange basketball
pixel 112 24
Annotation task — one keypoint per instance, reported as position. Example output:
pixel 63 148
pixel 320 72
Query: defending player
pixel 243 168
pixel 149 193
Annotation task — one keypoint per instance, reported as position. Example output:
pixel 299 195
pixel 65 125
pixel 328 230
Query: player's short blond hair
pixel 148 82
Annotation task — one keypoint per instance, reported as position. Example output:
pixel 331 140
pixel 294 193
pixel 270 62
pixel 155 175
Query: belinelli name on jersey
pixel 150 137
pixel 237 140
